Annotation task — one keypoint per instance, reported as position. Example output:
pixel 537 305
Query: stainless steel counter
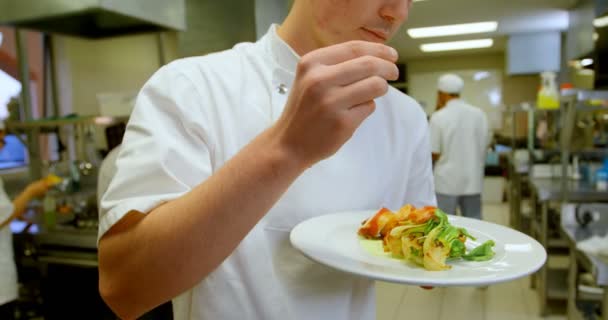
pixel 577 190
pixel 546 194
pixel 63 245
pixel 576 234
pixel 580 260
pixel 66 236
pixel 69 237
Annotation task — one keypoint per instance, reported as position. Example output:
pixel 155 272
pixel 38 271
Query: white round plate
pixel 332 240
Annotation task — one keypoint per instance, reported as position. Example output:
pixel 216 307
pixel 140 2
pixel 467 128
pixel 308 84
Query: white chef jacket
pixel 460 133
pixel 8 270
pixel 106 171
pixel 195 114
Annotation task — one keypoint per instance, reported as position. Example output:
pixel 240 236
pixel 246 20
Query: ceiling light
pixel 454 29
pixel 600 22
pixel 586 62
pixel 478 76
pixel 457 45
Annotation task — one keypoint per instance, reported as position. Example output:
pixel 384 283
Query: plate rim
pixel 438 282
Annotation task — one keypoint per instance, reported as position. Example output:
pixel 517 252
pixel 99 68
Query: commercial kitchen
pixel 71 74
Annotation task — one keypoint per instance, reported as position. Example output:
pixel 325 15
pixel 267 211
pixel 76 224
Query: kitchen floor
pixel 509 301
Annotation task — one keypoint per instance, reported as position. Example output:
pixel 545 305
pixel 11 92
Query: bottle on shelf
pixel 548 95
pixel 601 177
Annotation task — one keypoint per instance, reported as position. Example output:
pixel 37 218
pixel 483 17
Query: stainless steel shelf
pixel 557 285
pixel 558 243
pixel 582 95
pixel 55 123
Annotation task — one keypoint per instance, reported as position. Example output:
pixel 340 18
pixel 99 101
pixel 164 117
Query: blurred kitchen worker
pixel 459 143
pixel 10 210
pixel 224 154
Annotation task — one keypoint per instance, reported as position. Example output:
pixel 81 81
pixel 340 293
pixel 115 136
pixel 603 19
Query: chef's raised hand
pixel 38 188
pixel 332 94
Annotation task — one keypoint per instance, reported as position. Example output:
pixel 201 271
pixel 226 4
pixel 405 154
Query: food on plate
pixel 423 236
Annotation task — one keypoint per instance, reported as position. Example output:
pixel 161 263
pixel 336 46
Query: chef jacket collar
pixel 285 57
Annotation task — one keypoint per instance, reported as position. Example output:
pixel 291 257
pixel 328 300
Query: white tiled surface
pixel 509 301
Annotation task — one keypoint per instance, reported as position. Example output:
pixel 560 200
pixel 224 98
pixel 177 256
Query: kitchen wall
pixel 9 62
pixel 217 25
pixel 514 89
pixel 456 62
pixel 88 67
pixel 268 12
pixel 123 64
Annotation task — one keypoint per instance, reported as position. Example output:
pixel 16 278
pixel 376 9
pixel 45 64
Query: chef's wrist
pixel 283 156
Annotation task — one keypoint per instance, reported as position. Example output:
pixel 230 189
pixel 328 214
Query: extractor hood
pixel 94 18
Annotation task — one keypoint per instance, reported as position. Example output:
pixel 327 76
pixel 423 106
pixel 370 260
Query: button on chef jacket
pixel 195 114
pixel 8 270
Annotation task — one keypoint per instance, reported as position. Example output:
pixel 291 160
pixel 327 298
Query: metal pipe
pixel 160 43
pixel 45 82
pixel 605 304
pixel 53 77
pixel 531 133
pixel 35 162
pixel 568 119
pixel 24 74
pixel 69 261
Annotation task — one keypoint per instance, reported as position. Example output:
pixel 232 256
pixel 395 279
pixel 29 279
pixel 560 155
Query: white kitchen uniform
pixel 8 270
pixel 197 113
pixel 106 172
pixel 459 132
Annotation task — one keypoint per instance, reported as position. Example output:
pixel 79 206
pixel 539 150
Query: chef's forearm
pixel 151 258
pixel 19 206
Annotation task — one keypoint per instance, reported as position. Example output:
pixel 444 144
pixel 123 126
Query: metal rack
pixel 583 302
pixel 546 194
pixel 94 20
pixel 78 125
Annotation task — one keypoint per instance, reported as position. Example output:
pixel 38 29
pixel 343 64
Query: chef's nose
pixel 395 11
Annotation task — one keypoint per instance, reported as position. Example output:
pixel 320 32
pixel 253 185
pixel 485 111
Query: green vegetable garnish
pixel 415 252
pixel 466 233
pixel 482 253
pixel 458 249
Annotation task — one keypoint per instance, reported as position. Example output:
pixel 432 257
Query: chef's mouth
pixel 380 35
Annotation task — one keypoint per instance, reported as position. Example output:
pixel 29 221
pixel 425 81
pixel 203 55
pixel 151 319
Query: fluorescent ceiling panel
pixel 454 29
pixel 600 22
pixel 457 45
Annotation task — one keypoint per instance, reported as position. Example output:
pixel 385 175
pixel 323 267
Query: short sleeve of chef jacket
pixel 165 150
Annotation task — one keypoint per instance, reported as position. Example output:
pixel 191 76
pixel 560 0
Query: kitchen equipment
pixel 94 18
